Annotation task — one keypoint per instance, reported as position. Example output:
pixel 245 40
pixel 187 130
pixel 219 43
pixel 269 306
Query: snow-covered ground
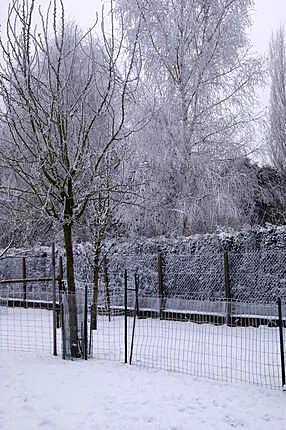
pixel 38 392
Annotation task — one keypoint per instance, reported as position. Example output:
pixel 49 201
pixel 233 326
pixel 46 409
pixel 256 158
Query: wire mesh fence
pixel 205 316
pixel 226 341
pixel 195 340
pixel 76 322
pixel 27 325
pixel 108 339
pixel 40 324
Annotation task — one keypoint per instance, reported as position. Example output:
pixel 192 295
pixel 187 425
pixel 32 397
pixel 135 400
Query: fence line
pixel 229 341
pixel 27 325
pixel 257 276
pixel 252 276
pixel 197 341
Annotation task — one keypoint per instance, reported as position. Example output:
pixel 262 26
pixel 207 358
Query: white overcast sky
pixel 266 16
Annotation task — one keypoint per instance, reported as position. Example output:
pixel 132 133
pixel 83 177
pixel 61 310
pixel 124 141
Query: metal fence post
pixel 125 317
pixel 85 339
pixel 161 285
pixel 54 300
pixel 136 313
pixel 24 276
pixel 227 288
pixel 282 355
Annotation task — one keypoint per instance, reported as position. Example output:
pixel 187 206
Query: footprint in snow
pixel 46 423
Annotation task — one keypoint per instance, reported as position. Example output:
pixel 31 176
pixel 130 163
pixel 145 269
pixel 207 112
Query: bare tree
pixel 59 87
pixel 276 133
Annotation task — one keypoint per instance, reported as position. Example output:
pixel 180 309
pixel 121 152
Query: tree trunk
pixel 74 343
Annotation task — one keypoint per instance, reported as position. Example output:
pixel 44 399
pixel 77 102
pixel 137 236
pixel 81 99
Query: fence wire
pixel 197 340
pixel 254 276
pixel 26 326
pixel 258 275
pixel 108 339
pixel 231 341
pixel 199 277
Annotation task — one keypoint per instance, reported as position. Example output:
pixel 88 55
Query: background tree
pixel 276 137
pixel 199 71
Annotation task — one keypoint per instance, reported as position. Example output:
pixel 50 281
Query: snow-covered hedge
pixel 192 266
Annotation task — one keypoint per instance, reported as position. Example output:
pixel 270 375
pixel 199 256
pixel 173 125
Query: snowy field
pixel 38 392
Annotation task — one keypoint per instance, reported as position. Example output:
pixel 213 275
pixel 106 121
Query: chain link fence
pixel 253 276
pixel 258 275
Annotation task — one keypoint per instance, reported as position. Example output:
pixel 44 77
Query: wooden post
pixel 136 280
pixel 24 276
pixel 63 331
pixel 106 283
pixel 161 285
pixel 61 290
pixel 227 288
pixel 90 347
pixel 61 275
pixel 54 300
